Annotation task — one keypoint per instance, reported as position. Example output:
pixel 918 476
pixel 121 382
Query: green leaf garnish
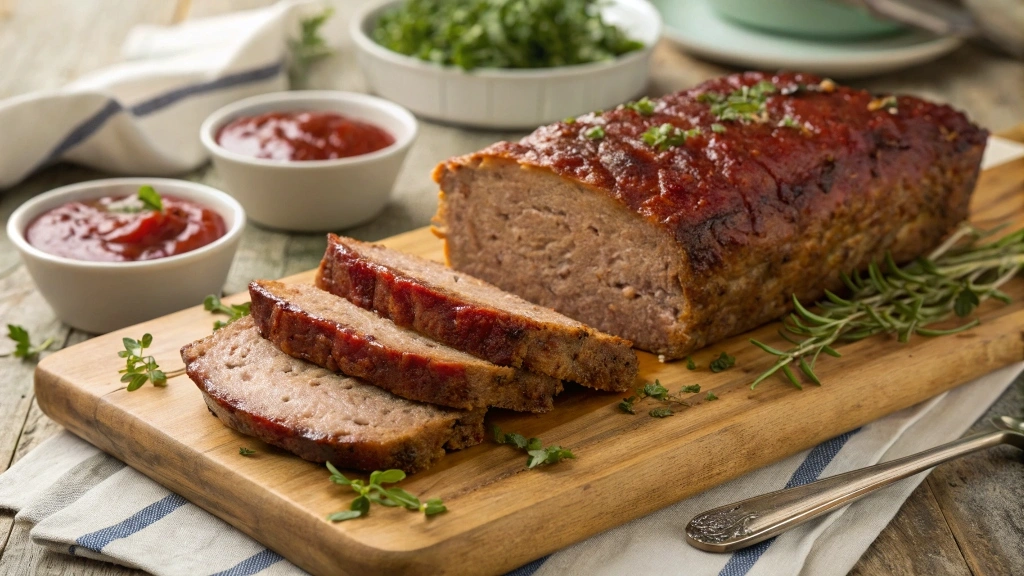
pixel 474 34
pixel 903 300
pixel 246 451
pixel 150 199
pixel 722 363
pixel 655 390
pixel 373 491
pixel 666 136
pixel 745 104
pixel 23 347
pixel 690 364
pixel 140 369
pixel 711 396
pixel 662 412
pixel 691 389
pixel 309 47
pixel 717 128
pixel 235 311
pixel 537 454
pixel 595 133
pixel 643 106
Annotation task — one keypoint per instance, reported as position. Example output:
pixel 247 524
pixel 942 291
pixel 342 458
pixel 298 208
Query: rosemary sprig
pixel 888 299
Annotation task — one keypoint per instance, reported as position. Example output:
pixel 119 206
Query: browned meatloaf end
pixel 309 323
pixel 678 245
pixel 471 315
pixel 256 389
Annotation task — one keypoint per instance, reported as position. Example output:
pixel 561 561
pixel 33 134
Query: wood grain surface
pixel 168 434
pixel 45 43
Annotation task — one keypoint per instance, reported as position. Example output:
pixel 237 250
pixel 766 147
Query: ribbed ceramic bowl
pixel 100 297
pixel 509 99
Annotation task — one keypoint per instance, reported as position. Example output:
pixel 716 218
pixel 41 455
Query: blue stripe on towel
pixel 743 560
pixel 528 569
pixel 91 125
pixel 95 541
pixel 253 564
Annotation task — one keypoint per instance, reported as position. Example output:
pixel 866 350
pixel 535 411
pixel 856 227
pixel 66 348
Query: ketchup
pixel 298 136
pixel 103 231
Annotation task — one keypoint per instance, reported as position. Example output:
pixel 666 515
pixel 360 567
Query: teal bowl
pixel 821 19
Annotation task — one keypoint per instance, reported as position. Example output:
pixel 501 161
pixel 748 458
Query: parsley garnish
pixel 146 198
pixel 717 128
pixel 657 391
pixel 788 122
pixel 722 363
pixel 374 491
pixel 662 412
pixel 595 133
pixel 309 47
pixel 508 34
pixel 643 106
pixel 246 451
pixel 140 369
pixel 691 389
pixel 690 365
pixel 23 347
pixel 569 120
pixel 150 199
pixel 537 454
pixel 744 104
pixel 235 311
pixel 711 396
pixel 666 136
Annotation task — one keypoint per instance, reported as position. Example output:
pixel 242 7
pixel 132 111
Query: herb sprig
pixel 889 299
pixel 657 391
pixel 23 347
pixel 147 198
pixel 140 369
pixel 745 104
pixel 242 450
pixel 537 454
pixel 373 491
pixel 309 47
pixel 666 136
pixel 235 311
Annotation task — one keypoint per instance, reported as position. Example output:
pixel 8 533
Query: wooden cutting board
pixel 502 515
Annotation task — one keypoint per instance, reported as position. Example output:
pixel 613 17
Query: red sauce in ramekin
pixel 96 231
pixel 299 136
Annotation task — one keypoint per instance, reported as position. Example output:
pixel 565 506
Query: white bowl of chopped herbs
pixel 506 64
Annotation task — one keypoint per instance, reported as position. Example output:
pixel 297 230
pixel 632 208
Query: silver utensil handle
pixel 745 523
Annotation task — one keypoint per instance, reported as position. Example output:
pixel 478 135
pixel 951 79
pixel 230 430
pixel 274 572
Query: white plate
pixel 696 28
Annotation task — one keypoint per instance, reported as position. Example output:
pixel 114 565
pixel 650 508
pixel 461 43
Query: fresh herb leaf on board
pixel 140 369
pixel 722 363
pixel 235 311
pixel 966 270
pixel 374 491
pixel 537 454
pixel 23 347
pixel 246 451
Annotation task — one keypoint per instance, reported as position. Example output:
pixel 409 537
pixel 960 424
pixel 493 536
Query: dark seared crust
pixel 567 350
pixel 416 447
pixel 761 211
pixel 438 378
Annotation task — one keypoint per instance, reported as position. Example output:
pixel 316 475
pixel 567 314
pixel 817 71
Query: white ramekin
pixel 509 99
pixel 314 195
pixel 104 296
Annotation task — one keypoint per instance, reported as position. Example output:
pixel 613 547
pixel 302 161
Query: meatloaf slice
pixel 260 391
pixel 701 216
pixel 474 316
pixel 309 323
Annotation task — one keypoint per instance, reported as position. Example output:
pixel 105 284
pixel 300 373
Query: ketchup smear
pixel 298 136
pixel 100 231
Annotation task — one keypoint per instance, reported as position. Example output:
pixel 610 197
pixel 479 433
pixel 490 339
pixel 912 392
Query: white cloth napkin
pixel 142 116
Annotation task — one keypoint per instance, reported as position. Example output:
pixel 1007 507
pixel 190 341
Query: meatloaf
pixel 680 221
pixel 256 389
pixel 309 323
pixel 471 315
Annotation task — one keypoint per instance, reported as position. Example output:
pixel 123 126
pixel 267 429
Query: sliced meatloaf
pixel 260 391
pixel 696 216
pixel 471 315
pixel 309 323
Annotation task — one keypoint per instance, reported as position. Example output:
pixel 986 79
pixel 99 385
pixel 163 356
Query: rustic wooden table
pixel 967 517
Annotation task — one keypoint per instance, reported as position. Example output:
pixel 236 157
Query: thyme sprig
pixel 657 391
pixel 140 369
pixel 537 453
pixel 889 299
pixel 373 490
pixel 235 311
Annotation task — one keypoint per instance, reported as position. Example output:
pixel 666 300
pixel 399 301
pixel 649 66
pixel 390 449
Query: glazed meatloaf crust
pixel 256 389
pixel 699 217
pixel 309 323
pixel 471 315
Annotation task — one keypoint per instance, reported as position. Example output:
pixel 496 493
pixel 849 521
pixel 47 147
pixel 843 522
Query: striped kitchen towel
pixel 84 502
pixel 142 115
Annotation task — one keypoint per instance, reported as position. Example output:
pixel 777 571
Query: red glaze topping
pixel 298 136
pixel 91 231
pixel 816 144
